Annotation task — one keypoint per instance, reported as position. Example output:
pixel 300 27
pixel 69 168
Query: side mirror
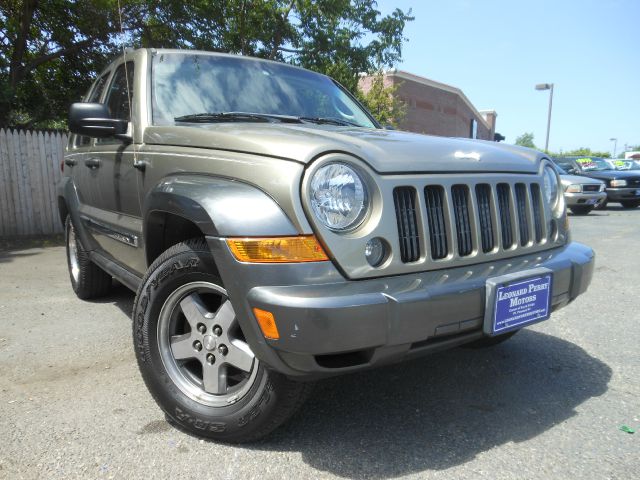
pixel 94 120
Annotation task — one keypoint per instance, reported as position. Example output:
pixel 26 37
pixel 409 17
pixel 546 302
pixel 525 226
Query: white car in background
pixel 582 194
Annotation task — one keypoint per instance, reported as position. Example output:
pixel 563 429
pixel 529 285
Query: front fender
pixel 220 207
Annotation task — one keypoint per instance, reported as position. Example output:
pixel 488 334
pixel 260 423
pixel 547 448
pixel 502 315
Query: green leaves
pixel 51 50
pixel 526 140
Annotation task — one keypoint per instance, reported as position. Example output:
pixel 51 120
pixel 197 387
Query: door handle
pixel 92 162
pixel 70 162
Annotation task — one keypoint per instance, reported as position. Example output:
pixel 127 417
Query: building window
pixel 473 128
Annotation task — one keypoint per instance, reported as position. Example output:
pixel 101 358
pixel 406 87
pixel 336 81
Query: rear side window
pixel 96 94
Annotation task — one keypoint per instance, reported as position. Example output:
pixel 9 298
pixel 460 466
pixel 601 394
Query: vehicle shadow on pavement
pixel 441 411
pixel 10 256
pixel 120 296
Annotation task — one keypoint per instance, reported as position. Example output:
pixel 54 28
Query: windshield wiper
pixel 330 121
pixel 235 117
pixel 259 117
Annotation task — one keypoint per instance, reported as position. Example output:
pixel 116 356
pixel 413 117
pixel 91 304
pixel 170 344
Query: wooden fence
pixel 29 173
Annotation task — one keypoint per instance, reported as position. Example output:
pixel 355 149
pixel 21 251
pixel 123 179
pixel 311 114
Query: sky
pixel 496 51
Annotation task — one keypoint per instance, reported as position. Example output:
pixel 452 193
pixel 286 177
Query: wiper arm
pixel 235 117
pixel 330 121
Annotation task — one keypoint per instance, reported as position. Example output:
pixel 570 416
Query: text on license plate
pixel 521 302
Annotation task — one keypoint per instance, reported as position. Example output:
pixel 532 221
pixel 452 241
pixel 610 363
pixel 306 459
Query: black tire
pixel 630 203
pixel 487 342
pixel 187 273
pixel 87 279
pixel 602 205
pixel 581 209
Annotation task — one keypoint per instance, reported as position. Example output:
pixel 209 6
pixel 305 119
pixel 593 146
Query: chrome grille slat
pixel 408 235
pixel 521 206
pixel 434 201
pixel 460 196
pixel 504 203
pixel 536 200
pixel 483 200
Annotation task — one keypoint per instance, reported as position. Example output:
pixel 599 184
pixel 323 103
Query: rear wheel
pixel 195 358
pixel 630 203
pixel 87 279
pixel 581 209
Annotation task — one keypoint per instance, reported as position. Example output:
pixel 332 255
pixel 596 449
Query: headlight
pixel 618 183
pixel 339 197
pixel 574 188
pixel 550 182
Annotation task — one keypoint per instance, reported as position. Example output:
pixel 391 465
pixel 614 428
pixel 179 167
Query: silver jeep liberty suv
pixel 275 234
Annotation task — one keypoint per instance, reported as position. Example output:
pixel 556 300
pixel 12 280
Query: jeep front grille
pixel 461 220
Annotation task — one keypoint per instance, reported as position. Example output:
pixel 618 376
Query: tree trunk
pixel 17 68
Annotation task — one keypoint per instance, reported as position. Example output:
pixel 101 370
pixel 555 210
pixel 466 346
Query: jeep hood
pixel 386 151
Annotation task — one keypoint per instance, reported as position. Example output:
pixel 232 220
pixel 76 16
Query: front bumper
pixel 329 325
pixel 584 199
pixel 623 193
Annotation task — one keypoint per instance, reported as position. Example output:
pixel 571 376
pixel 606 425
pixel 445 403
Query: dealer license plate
pixel 592 201
pixel 519 303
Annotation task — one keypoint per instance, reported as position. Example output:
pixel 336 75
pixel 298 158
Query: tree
pixel 587 152
pixel 382 102
pixel 526 140
pixel 51 49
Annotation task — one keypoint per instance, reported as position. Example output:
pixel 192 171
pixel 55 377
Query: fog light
pixel 375 251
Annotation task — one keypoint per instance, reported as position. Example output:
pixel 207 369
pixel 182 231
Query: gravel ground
pixel 546 404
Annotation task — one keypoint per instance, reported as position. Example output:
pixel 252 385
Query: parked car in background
pixel 621 186
pixel 581 194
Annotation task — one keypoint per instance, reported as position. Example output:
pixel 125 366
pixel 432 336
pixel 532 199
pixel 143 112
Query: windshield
pixel 590 164
pixel 186 85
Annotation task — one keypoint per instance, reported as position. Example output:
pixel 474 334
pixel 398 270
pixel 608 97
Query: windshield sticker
pixel 622 165
pixel 586 163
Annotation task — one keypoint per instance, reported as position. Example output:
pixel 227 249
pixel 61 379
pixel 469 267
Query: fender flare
pixel 68 192
pixel 219 207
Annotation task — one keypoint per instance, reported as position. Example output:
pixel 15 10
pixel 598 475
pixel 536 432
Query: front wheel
pixel 630 203
pixel 194 356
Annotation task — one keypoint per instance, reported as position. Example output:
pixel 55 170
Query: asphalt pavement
pixel 549 403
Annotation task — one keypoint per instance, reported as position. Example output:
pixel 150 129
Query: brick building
pixel 435 108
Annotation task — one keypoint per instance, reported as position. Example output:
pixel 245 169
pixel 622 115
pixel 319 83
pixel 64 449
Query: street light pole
pixel 615 146
pixel 547 86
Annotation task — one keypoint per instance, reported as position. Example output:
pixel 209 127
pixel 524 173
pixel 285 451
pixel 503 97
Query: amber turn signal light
pixel 277 249
pixel 267 324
